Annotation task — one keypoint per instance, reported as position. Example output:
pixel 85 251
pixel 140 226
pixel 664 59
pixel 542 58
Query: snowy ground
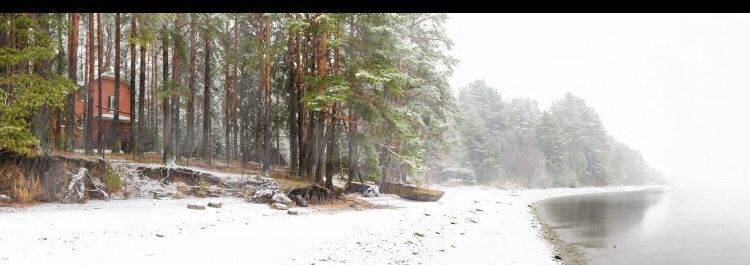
pixel 492 226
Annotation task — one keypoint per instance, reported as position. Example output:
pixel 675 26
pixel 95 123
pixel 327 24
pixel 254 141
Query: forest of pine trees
pixel 515 142
pixel 361 95
pixel 365 95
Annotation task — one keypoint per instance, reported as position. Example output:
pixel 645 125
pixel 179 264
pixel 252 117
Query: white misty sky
pixel 673 86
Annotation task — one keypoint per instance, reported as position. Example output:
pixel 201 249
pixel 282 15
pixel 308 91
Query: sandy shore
pixel 475 225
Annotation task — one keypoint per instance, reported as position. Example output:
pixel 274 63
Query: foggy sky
pixel 673 86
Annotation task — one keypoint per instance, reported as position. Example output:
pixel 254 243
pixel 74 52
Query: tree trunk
pixel 385 161
pixel 88 131
pixel 322 63
pixel 114 131
pixel 167 139
pixel 191 88
pixel 99 68
pixel 293 140
pixel 301 114
pixel 134 143
pixel 177 78
pixel 40 120
pixel 266 91
pixel 309 125
pixel 154 113
pixel 141 94
pixel 235 97
pixel 60 70
pixel 227 97
pixel 72 75
pixel 227 100
pixel 353 148
pixel 330 150
pixel 108 51
pixel 206 151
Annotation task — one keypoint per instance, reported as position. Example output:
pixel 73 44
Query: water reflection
pixel 598 217
pixel 698 226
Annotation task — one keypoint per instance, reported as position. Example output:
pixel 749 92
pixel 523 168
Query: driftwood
pixel 196 207
pixel 411 193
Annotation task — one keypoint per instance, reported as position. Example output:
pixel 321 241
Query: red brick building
pixel 108 94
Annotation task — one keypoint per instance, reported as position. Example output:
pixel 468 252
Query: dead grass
pixel 19 188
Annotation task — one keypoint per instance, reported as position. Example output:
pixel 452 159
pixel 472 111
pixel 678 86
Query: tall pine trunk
pixel 293 140
pixel 191 88
pixel 265 23
pixel 114 130
pixel 322 63
pixel 58 119
pixel 167 139
pixel 88 130
pixel 141 92
pixel 301 114
pixel 154 113
pixel 310 153
pixel 177 81
pixel 41 119
pixel 330 150
pixel 134 143
pixel 72 75
pixel 227 100
pixel 235 96
pixel 99 68
pixel 206 150
pixel 353 156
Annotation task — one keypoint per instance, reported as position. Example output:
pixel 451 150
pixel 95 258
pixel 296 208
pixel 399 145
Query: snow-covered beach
pixel 478 224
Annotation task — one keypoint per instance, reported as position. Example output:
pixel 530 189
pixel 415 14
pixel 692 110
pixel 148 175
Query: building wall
pixel 108 89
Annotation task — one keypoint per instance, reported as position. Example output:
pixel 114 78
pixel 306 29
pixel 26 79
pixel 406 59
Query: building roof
pixel 110 75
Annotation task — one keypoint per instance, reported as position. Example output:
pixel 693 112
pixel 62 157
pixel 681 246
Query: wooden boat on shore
pixel 411 192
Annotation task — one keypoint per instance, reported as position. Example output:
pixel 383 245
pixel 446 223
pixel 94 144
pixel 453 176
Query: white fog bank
pixel 673 86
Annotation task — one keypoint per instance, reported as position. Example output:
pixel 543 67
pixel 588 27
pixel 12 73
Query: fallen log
pixel 411 192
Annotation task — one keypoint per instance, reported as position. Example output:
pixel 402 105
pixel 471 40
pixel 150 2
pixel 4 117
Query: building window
pixel 79 121
pixel 111 103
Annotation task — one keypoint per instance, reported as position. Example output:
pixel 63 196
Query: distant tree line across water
pixel 514 142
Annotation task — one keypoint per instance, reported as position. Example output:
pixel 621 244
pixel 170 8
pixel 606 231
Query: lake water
pixel 676 226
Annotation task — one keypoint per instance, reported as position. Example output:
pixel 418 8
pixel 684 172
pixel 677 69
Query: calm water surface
pixel 676 226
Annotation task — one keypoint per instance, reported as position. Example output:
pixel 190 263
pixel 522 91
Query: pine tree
pixel 28 85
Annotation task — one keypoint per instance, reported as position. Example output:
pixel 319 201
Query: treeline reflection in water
pixel 654 226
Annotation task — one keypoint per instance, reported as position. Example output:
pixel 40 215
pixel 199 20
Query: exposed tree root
pixel 315 194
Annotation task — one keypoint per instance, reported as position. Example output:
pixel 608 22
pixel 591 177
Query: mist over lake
pixel 680 225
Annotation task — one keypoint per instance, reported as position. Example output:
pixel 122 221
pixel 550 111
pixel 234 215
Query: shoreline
pixel 487 224
pixel 570 254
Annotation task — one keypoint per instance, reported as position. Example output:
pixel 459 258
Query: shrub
pixel 111 179
pixel 202 185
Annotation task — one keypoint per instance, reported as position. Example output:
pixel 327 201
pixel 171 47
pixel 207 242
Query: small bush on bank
pixel 111 179
pixel 202 185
